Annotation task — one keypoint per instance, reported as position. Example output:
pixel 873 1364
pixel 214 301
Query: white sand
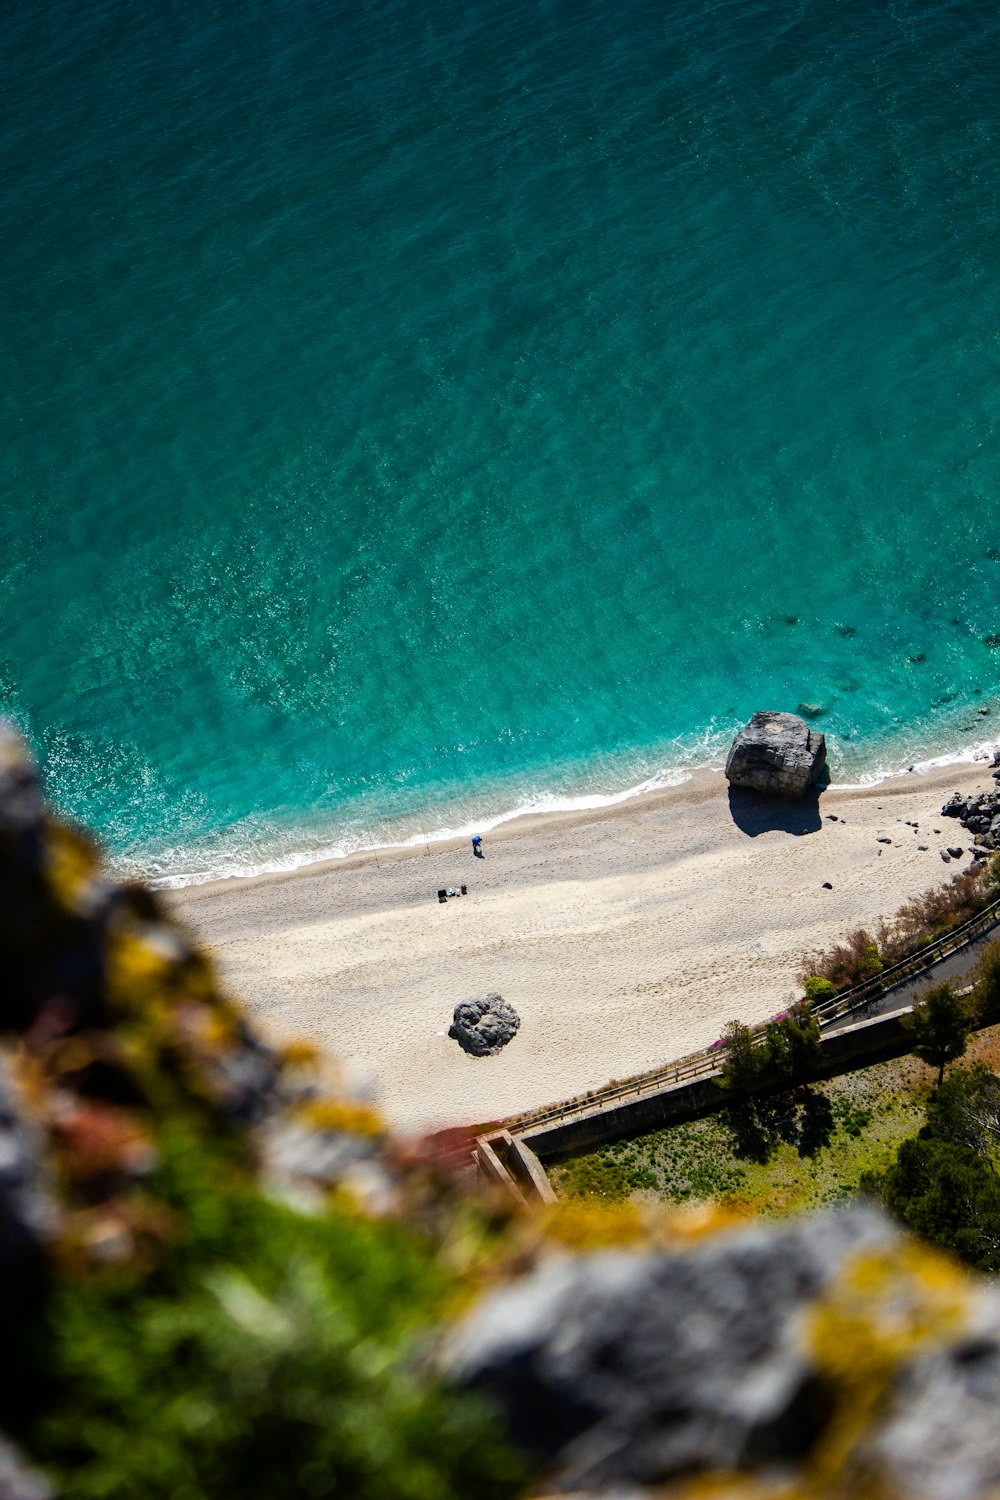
pixel 624 937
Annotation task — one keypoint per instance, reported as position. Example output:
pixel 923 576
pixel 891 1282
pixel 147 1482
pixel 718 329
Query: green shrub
pixel 948 1194
pixel 986 986
pixel 745 1059
pixel 818 989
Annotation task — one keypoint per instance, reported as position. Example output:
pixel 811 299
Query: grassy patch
pixel 867 1115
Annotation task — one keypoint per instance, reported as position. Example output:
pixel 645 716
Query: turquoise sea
pixel 415 411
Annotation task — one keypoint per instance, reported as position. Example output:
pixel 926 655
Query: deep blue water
pixel 415 409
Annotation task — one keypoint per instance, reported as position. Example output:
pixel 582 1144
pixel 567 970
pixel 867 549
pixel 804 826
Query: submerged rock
pixel 483 1027
pixel 777 754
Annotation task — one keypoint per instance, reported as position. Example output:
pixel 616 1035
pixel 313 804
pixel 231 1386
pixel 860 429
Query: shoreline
pixel 624 935
pixel 571 806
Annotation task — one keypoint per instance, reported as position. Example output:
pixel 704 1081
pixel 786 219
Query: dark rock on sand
pixel 483 1027
pixel 979 814
pixel 777 754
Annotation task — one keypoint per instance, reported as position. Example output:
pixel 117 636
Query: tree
pixel 986 986
pixel 966 1111
pixel 940 1024
pixel 744 1059
pixel 793 1044
pixel 948 1194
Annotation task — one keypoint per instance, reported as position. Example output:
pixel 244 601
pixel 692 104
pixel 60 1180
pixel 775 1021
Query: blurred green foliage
pixel 273 1353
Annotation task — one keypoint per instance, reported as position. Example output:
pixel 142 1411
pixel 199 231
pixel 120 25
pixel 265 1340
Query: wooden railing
pixel 709 1059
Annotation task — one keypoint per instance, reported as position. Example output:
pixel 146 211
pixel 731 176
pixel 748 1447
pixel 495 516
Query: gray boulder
pixel 777 754
pixel 624 1368
pixel 483 1027
pixel 620 1369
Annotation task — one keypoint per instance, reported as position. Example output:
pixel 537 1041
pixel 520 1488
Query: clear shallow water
pixel 412 414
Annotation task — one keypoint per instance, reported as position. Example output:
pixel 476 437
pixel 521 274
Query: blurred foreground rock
pixel 829 1351
pixel 776 754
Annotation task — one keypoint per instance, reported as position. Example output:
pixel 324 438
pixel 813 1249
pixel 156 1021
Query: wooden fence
pixel 708 1060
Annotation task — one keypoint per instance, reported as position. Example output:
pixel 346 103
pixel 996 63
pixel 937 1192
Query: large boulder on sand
pixel 777 754
pixel 482 1027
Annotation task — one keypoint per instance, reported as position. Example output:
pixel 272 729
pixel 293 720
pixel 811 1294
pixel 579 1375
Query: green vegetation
pixel 271 1353
pixel 944 1183
pixel 687 1162
pixel 818 1145
pixel 793 1044
pixel 986 986
pixel 789 1050
pixel 949 1195
pixel 746 1058
pixel 940 1024
pixel 817 989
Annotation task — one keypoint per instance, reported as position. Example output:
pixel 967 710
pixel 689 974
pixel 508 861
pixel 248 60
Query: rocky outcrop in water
pixel 483 1027
pixel 777 754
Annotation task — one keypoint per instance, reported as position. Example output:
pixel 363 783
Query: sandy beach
pixel 624 937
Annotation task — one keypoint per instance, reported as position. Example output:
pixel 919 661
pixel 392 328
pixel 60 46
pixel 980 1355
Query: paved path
pixel 955 968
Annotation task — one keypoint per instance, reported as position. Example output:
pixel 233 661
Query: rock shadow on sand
pixel 754 813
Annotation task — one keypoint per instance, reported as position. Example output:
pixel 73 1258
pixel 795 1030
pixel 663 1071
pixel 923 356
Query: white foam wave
pixel 703 756
pixel 967 755
pixel 546 802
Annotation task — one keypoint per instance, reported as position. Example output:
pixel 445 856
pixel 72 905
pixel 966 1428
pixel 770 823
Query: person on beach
pixel 477 846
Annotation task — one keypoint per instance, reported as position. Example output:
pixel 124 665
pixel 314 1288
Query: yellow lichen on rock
pixel 881 1310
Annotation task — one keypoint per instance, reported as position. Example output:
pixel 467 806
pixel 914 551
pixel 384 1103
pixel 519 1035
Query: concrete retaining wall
pixel 528 1172
pixel 854 1046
